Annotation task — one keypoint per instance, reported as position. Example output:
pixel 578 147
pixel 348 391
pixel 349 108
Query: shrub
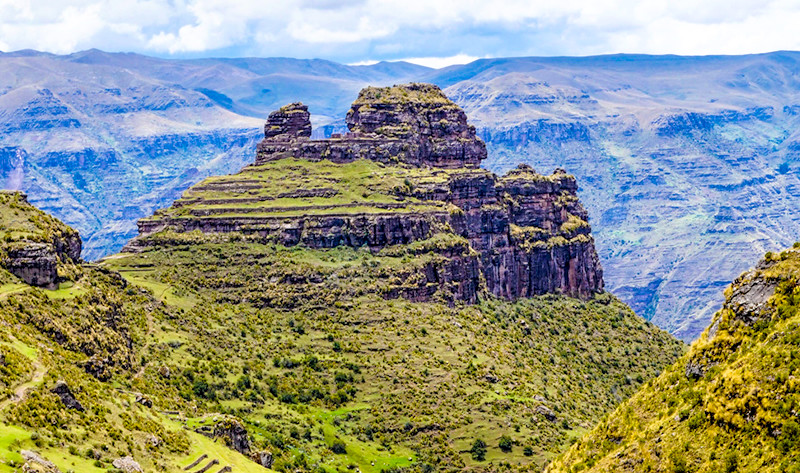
pixel 731 462
pixel 505 443
pixel 338 447
pixel 478 450
pixel 527 451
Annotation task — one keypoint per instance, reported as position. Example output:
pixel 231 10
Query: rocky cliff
pixel 413 124
pixel 34 243
pixel 406 174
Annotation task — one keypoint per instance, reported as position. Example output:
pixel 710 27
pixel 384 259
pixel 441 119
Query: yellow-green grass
pixel 66 290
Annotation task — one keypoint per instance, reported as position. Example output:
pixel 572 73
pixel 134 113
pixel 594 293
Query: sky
pixel 435 33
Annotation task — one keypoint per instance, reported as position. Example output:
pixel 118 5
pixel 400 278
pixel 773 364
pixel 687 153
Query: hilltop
pixel 729 404
pixel 334 314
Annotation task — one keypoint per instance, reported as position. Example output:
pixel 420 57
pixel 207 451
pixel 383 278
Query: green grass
pixel 362 186
pixel 12 438
pixel 737 415
pixel 68 290
pixel 12 288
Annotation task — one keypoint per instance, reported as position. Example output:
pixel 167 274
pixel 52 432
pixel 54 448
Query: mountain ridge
pixel 688 142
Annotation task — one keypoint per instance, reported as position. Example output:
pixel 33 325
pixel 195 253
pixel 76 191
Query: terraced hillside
pixel 301 347
pixel 730 404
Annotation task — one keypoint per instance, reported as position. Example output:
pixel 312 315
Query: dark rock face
pixel 235 435
pixel 264 459
pixel 290 122
pixel 34 263
pixel 67 398
pixel 750 296
pixel 414 123
pixel 519 235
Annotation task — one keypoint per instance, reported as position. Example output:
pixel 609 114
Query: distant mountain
pixel 102 139
pixel 688 163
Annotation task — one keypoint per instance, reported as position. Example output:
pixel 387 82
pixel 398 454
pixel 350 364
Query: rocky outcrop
pixel 414 123
pixel 127 464
pixel 36 463
pixel 290 122
pixel 234 435
pixel 61 389
pixel 34 255
pixel 264 459
pixel 749 298
pixel 519 235
pixel 34 263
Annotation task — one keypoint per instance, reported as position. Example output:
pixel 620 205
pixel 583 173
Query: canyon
pixel 688 165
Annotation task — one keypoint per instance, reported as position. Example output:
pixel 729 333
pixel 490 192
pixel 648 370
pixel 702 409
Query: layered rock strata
pixel 413 124
pixel 409 177
pixel 33 255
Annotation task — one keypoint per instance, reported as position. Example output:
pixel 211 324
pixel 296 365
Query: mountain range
pixel 687 164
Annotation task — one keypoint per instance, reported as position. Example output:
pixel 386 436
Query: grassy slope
pixel 740 416
pixel 362 186
pixel 300 346
pixel 414 376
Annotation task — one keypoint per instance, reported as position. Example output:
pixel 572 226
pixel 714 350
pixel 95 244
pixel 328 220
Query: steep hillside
pixel 730 404
pixel 307 333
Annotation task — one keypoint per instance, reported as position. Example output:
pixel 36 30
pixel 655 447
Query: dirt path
pixel 21 392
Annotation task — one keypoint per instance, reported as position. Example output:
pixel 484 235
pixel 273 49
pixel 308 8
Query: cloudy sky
pixel 430 32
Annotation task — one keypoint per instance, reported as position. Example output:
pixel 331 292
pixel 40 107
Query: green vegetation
pixel 422 93
pixel 20 221
pixel 730 404
pixel 291 187
pixel 306 349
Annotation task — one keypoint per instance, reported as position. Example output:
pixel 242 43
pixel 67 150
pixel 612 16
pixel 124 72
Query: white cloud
pixel 439 62
pixel 431 31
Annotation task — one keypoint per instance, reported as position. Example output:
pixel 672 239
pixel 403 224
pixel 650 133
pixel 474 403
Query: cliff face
pixel 407 174
pixel 34 243
pixel 414 124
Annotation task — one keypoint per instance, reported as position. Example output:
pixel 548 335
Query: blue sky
pixel 429 32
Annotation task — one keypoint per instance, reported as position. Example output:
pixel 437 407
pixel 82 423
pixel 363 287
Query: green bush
pixel 505 443
pixel 338 447
pixel 478 450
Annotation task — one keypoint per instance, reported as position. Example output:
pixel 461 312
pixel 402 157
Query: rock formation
pixel 61 389
pixel 234 434
pixel 514 236
pixel 414 124
pixel 33 255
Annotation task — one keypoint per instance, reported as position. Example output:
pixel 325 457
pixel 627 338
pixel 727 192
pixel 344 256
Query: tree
pixel 505 443
pixel 478 450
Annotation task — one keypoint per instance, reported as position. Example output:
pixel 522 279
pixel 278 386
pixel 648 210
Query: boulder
pixel 127 464
pixel 546 412
pixel 61 389
pixel 264 459
pixel 144 400
pixel 36 463
pixel 234 434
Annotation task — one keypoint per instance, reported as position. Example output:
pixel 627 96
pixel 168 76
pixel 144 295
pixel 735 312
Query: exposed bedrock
pixel 518 235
